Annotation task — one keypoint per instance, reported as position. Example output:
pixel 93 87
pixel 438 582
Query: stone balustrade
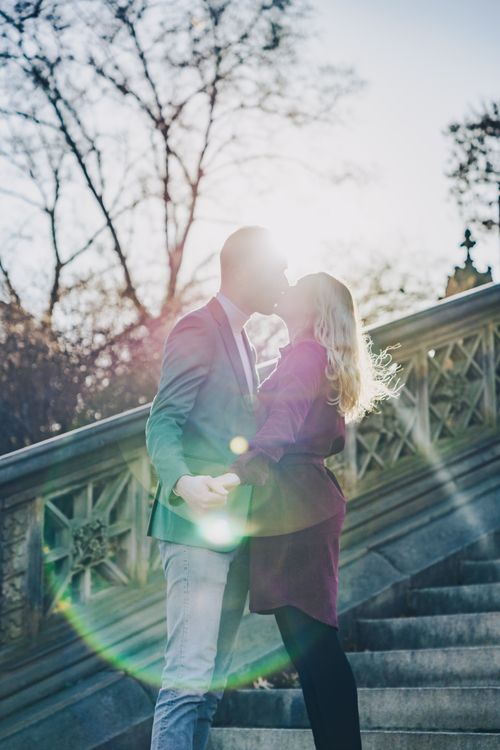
pixel 74 508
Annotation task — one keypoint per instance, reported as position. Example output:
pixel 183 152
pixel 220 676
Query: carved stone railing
pixel 74 516
pixel 450 366
pixel 74 509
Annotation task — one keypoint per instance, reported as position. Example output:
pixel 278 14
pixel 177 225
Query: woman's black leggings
pixel 326 677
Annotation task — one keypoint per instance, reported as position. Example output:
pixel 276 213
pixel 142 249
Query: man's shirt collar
pixel 237 318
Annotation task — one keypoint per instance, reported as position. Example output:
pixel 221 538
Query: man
pixel 200 419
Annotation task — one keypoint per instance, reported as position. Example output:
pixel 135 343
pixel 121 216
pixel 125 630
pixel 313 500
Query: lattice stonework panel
pixel 457 380
pixel 388 434
pixel 88 539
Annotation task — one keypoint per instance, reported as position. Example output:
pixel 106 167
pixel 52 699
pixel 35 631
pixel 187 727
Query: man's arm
pixel 187 360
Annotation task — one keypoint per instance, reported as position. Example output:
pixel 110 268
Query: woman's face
pixel 296 307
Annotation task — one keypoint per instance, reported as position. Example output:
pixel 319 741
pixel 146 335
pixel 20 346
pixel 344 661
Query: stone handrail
pixel 74 508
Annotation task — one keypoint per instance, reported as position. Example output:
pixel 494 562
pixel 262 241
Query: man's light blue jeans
pixel 205 599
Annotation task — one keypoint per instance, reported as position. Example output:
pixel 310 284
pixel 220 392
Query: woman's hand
pixel 229 481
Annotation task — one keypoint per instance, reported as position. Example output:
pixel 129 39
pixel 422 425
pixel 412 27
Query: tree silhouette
pixel 119 120
pixel 475 166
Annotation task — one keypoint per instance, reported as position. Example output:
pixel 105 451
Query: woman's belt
pixel 302 458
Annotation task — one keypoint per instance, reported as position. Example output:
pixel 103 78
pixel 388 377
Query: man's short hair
pixel 239 244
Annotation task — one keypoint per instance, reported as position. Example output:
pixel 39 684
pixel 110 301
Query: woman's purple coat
pixel 298 507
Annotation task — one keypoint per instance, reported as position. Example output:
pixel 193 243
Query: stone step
pixel 103 627
pixel 446 667
pixel 480 571
pixel 82 664
pixel 430 631
pixel 107 707
pixel 486 548
pixel 301 739
pixel 99 612
pixel 423 708
pixel 480 597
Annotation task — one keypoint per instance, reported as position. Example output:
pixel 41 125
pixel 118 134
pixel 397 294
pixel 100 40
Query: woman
pixel 325 376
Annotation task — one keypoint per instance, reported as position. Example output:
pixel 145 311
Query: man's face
pixel 268 281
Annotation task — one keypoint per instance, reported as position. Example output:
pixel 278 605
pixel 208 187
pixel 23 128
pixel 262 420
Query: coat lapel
pixel 227 335
pixel 251 358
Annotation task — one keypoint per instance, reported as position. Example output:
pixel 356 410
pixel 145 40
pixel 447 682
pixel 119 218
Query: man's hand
pixel 201 492
pixel 228 481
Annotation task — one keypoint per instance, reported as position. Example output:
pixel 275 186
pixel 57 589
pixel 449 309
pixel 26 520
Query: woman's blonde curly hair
pixel 358 378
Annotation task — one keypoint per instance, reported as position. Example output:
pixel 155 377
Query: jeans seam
pixel 186 610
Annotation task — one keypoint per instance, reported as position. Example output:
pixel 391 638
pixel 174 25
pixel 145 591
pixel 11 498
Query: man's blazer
pixel 202 404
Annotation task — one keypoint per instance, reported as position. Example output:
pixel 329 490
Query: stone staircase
pixel 429 678
pixel 82 631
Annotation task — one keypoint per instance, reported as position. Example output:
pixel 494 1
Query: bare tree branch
pixel 8 283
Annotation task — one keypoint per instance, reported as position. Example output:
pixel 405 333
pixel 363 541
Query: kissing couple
pixel 245 503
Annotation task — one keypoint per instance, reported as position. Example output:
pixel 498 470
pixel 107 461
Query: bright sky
pixel 426 63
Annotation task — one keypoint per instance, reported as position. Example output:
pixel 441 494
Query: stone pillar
pixel 21 590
